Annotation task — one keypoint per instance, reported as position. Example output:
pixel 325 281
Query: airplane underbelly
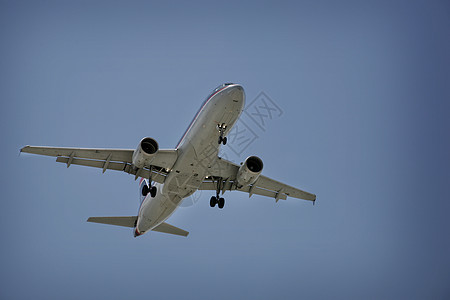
pixel 156 210
pixel 197 157
pixel 183 184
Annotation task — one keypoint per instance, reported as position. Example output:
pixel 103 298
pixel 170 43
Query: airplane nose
pixel 237 93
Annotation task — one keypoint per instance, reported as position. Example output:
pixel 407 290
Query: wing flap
pixel 264 186
pixel 290 191
pixel 109 159
pixel 167 228
pixel 117 166
pixel 252 190
pixel 117 221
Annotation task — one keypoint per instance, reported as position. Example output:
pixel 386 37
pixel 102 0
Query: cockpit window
pixel 218 89
pixel 203 104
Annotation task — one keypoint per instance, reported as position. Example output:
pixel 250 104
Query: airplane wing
pixel 109 159
pixel 224 173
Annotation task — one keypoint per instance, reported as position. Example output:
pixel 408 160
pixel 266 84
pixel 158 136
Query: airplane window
pixel 206 100
pixel 219 88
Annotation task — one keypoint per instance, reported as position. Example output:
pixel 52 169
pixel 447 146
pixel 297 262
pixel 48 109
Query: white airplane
pixel 170 175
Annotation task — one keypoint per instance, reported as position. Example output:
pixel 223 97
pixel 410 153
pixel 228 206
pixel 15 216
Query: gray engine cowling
pixel 145 152
pixel 249 171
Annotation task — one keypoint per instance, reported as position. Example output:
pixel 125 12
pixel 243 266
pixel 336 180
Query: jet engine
pixel 249 171
pixel 145 152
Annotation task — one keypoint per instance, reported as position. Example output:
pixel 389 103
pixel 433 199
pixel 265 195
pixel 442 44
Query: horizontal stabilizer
pixel 118 221
pixel 167 228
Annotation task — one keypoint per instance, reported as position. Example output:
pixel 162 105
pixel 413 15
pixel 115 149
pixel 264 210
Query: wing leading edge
pixel 223 173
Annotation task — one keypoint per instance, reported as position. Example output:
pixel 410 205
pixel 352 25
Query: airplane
pixel 170 175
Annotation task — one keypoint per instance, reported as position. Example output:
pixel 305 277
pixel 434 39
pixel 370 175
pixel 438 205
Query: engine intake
pixel 249 171
pixel 145 152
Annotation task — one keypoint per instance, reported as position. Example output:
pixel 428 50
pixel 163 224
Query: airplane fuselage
pixel 170 175
pixel 197 152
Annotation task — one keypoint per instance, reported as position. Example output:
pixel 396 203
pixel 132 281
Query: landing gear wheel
pixel 222 127
pixel 153 191
pixel 221 202
pixel 145 190
pixel 213 201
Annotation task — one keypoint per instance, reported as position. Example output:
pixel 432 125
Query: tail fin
pixel 131 222
pixel 118 221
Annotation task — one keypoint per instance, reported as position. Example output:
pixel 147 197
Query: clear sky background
pixel 364 87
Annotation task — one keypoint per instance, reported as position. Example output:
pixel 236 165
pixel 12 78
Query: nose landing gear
pixel 222 139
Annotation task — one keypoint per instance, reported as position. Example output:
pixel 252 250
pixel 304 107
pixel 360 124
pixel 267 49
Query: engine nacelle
pixel 145 152
pixel 249 171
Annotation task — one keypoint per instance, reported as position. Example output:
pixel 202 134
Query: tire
pixel 221 203
pixel 213 201
pixel 153 191
pixel 224 141
pixel 220 140
pixel 145 190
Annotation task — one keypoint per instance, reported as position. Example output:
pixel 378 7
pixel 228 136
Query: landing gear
pixel 213 201
pixel 222 127
pixel 149 189
pixel 145 190
pixel 221 202
pixel 223 140
pixel 217 199
pixel 153 191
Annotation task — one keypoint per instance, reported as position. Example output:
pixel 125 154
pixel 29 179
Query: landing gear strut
pixel 217 199
pixel 149 188
pixel 222 139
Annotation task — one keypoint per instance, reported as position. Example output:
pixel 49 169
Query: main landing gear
pixel 222 139
pixel 149 189
pixel 217 199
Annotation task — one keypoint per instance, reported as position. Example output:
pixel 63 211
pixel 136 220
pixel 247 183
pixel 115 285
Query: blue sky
pixel 364 94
